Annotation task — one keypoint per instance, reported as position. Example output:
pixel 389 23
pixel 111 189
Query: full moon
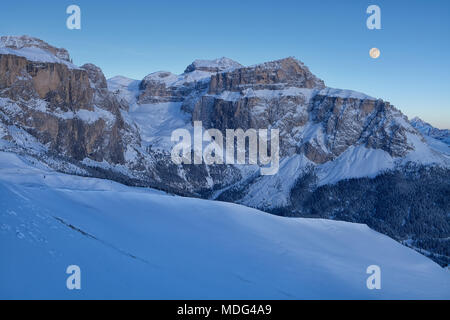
pixel 374 53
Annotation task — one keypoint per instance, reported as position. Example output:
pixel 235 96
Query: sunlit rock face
pixel 273 75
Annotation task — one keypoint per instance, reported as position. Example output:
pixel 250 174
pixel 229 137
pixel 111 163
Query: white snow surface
pixel 133 243
pixel 438 145
pixel 197 75
pixel 156 122
pixel 346 94
pixel 425 153
pixel 88 116
pixel 37 55
pixel 34 50
pixel 126 88
pixel 274 191
pixel 355 162
pixel 173 80
pixel 266 94
pixel 361 162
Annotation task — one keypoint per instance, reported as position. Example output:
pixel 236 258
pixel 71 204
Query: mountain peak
pixel 284 73
pixel 285 64
pixel 216 65
pixel 161 76
pixel 21 43
pixel 417 120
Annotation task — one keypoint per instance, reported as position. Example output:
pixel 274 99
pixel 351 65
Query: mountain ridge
pixel 120 129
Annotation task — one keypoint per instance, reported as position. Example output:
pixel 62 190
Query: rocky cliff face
pixel 165 86
pixel 271 75
pixel 64 88
pixel 67 109
pixel 75 121
pixel 319 122
pixel 213 66
pixel 348 121
pixel 67 116
pixel 25 42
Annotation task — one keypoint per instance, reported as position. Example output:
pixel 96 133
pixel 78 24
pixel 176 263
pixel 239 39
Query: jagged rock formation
pixel 96 76
pixel 75 121
pixel 25 42
pixel 273 75
pixel 64 88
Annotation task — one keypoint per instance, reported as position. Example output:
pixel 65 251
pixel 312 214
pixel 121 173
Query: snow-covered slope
pixel 437 139
pixel 126 88
pixel 139 243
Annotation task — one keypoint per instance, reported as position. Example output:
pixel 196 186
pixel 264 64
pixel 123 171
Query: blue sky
pixel 134 38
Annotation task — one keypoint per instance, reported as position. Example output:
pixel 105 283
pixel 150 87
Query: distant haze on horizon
pixel 136 38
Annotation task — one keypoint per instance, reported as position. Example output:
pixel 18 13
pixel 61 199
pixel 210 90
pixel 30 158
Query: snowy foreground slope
pixel 139 243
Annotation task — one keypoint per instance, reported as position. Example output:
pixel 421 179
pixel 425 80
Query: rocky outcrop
pixel 17 43
pixel 64 88
pixel 345 122
pixel 165 86
pixel 319 122
pixel 274 75
pixel 68 110
pixel 96 76
pixel 213 66
pixel 158 87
